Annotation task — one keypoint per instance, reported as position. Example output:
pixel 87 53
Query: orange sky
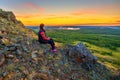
pixel 106 15
pixel 67 13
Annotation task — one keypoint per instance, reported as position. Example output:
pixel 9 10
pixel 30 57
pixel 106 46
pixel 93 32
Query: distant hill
pixel 65 27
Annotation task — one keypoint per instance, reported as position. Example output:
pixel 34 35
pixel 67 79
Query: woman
pixel 42 38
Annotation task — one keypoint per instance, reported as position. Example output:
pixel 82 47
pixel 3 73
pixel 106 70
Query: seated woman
pixel 42 38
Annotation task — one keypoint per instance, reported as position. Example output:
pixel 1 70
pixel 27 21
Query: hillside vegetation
pixel 104 43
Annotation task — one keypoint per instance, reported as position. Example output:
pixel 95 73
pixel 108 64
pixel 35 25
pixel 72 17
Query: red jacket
pixel 43 35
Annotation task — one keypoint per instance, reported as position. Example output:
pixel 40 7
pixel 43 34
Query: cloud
pixel 117 17
pixel 58 17
pixel 97 10
pixel 27 15
pixel 29 10
pixel 84 12
pixel 23 16
pixel 51 15
pixel 34 7
pixel 118 21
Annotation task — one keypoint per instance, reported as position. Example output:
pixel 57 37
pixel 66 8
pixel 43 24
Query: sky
pixel 65 12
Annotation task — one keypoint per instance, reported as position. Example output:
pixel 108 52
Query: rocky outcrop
pixel 9 16
pixel 81 54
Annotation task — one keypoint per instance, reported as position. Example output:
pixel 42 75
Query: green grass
pixel 104 43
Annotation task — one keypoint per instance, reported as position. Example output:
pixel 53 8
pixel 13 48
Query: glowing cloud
pixel 97 10
pixel 27 15
pixel 84 12
pixel 118 21
pixel 34 6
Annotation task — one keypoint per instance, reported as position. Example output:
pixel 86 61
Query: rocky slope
pixel 23 58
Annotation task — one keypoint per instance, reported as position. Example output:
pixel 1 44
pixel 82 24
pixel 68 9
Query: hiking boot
pixel 54 50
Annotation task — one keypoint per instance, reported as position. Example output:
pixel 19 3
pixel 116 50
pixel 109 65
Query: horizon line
pixel 79 25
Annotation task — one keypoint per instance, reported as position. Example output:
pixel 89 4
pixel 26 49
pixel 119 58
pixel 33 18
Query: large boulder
pixel 81 54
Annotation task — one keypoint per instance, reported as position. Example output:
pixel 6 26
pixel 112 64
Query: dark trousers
pixel 51 42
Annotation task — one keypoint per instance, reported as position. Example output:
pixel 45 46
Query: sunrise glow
pixel 65 12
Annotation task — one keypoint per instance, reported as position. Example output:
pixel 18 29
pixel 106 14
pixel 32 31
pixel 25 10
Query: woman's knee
pixel 51 40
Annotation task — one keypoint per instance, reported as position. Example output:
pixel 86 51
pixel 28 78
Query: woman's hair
pixel 41 26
